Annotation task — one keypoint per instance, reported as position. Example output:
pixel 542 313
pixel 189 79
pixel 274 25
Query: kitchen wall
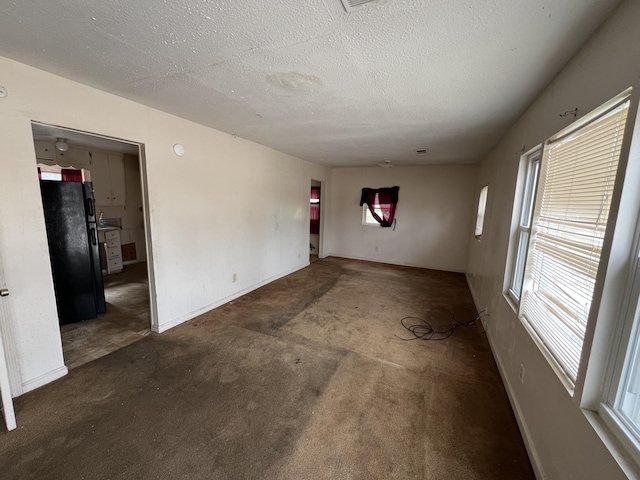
pixel 228 206
pixel 435 213
pixel 562 442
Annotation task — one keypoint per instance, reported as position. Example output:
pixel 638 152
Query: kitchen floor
pixel 127 319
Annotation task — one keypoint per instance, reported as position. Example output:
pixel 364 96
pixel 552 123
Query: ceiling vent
pixel 422 152
pixel 351 5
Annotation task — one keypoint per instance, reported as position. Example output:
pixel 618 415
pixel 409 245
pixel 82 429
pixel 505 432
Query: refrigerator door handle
pixel 90 207
pixel 93 234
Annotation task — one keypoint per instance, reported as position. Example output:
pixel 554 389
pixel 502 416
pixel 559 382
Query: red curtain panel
pixel 314 211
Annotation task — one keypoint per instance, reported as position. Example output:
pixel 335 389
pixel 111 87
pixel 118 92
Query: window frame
pixel 611 321
pixel 623 347
pixel 520 238
pixel 625 339
pixel 576 388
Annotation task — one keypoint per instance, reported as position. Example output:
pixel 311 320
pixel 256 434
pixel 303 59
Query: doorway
pixel 113 176
pixel 314 220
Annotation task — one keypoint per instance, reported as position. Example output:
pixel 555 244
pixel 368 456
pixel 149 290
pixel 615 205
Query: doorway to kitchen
pixel 96 213
pixel 314 221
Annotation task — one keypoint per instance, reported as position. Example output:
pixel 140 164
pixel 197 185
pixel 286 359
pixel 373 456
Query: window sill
pixel 511 302
pixel 618 450
pixel 553 363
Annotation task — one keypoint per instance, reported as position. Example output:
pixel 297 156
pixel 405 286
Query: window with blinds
pixel 577 177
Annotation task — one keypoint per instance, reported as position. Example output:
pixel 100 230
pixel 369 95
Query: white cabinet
pixel 116 180
pixel 44 150
pixel 74 157
pixel 107 175
pixel 100 178
pixel 111 248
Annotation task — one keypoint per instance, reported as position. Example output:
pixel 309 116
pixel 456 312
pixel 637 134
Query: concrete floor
pixel 301 379
pixel 126 321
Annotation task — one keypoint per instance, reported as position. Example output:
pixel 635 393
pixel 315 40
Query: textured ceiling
pixel 309 79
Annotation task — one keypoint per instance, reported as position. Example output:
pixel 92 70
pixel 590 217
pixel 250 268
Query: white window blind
pixel 576 182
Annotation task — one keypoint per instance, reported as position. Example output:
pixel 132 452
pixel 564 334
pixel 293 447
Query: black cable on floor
pixel 425 331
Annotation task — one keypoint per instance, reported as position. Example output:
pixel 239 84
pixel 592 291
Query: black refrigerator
pixel 70 218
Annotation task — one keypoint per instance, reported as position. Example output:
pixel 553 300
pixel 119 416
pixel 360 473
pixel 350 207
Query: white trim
pixel 191 315
pixel 5 392
pixel 603 426
pixel 44 379
pixel 11 354
pixel 146 215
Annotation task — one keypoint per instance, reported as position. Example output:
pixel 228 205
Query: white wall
pixel 435 213
pixel 562 442
pixel 228 206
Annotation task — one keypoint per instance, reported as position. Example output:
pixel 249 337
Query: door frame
pixel 314 183
pixel 9 367
pixel 153 307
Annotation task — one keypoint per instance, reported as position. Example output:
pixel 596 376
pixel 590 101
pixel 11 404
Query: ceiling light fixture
pixel 62 145
pixel 386 164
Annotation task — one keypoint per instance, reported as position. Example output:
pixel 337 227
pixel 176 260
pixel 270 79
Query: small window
pixel 482 206
pixel 532 166
pixel 379 206
pixel 367 217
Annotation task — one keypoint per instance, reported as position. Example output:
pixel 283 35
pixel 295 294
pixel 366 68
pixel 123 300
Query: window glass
pixel 368 217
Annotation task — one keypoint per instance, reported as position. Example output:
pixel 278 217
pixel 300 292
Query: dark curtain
pixel 314 211
pixel 69 175
pixel 387 198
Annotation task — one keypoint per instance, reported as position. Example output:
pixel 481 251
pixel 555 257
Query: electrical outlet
pixel 376 249
pixel 234 277
pixel 522 373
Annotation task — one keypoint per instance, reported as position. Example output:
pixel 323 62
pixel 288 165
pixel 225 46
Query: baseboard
pixel 522 425
pixel 191 315
pixel 44 379
pixel 401 264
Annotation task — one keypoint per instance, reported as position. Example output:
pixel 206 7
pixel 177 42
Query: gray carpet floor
pixel 301 379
